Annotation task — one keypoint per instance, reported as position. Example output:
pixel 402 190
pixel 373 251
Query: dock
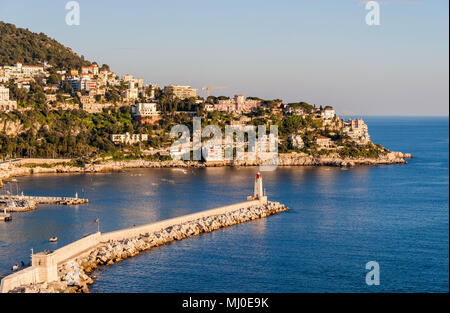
pixel 21 203
pixel 48 200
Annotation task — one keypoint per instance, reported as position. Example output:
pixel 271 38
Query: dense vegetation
pixel 62 133
pixel 76 133
pixel 22 45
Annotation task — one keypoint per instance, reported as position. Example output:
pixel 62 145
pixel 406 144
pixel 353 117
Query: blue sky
pixel 318 51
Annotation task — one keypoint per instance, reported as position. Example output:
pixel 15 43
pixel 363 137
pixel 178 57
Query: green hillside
pixel 22 45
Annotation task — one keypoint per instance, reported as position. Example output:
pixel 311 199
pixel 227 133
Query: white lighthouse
pixel 258 193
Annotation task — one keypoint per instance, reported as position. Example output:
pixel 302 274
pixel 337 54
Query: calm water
pixel 340 219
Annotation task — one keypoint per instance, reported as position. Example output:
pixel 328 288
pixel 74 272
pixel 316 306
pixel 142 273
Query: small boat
pixel 5 217
pixel 53 239
pixel 15 267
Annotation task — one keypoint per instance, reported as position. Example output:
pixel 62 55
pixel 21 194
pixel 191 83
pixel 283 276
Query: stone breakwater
pixel 8 170
pixel 75 275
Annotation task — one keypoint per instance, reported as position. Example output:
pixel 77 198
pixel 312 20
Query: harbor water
pixel 340 219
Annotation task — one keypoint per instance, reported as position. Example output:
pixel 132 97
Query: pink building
pixel 238 104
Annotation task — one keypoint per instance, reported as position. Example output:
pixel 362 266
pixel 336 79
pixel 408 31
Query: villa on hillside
pixel 323 142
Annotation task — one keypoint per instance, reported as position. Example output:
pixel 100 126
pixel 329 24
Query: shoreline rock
pixel 7 171
pixel 75 276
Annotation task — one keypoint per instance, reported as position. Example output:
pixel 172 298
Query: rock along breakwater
pixel 73 270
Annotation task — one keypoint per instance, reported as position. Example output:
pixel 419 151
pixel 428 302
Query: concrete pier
pixel 67 269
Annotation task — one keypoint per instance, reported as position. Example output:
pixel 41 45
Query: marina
pixel 21 203
pixel 337 223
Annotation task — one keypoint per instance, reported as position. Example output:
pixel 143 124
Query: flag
pixel 96 220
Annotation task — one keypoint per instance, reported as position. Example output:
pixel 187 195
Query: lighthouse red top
pixel 258 175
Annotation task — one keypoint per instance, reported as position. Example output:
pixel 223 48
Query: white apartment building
pixel 93 69
pixel 144 109
pixel 19 70
pixel 146 113
pixel 357 130
pixel 85 83
pixel 328 113
pixel 130 94
pixel 6 105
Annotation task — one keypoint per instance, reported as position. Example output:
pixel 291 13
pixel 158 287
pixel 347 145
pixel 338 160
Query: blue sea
pixel 340 219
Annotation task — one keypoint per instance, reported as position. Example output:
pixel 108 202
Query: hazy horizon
pixel 318 51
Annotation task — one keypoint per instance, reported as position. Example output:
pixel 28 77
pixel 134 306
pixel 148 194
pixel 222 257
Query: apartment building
pixel 83 83
pixel 146 113
pixel 357 130
pixel 238 104
pixel 181 92
pixel 92 69
pixel 327 115
pixel 19 70
pixel 130 94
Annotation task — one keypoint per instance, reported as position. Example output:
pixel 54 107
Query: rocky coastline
pixel 76 275
pixel 7 171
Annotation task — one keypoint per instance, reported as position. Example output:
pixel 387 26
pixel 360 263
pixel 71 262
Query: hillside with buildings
pixel 55 104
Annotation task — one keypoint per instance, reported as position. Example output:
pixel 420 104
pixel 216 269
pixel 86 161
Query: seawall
pixel 8 170
pixel 67 269
pixel 44 265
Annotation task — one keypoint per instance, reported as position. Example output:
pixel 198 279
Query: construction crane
pixel 208 88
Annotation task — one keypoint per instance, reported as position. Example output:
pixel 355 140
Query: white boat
pixel 53 239
pixel 5 216
pixel 15 267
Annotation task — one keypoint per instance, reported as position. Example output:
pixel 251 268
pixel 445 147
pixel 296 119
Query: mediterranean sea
pixel 340 219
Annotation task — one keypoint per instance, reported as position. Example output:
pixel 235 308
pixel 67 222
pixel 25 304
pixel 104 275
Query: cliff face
pixel 11 128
